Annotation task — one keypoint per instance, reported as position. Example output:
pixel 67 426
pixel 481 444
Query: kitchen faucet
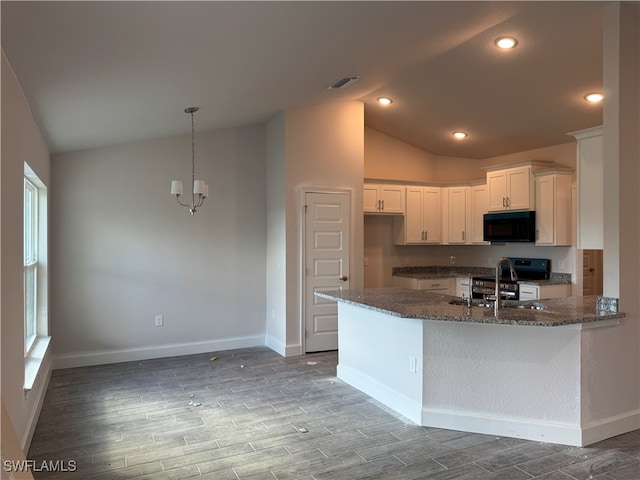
pixel 514 277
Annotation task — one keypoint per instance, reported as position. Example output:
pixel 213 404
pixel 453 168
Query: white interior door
pixel 327 226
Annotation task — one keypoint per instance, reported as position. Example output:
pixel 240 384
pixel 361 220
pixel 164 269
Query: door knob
pixel 344 278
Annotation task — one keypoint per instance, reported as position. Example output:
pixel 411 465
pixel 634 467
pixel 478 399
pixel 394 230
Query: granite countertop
pixel 420 304
pixel 459 271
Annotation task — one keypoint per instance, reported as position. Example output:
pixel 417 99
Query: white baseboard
pixel 381 392
pixel 275 344
pixel 281 348
pixel 610 427
pixel 502 426
pixel 84 359
pixel 527 429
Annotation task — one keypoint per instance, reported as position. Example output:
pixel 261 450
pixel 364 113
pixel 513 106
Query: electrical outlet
pixel 159 320
pixel 561 264
pixel 453 259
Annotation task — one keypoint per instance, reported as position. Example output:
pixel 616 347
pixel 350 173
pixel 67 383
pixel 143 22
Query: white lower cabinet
pixel 463 287
pixel 529 292
pixel 445 285
pixel 537 292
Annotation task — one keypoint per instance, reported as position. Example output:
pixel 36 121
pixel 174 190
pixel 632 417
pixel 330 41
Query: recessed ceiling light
pixel 460 135
pixel 594 97
pixel 384 100
pixel 505 42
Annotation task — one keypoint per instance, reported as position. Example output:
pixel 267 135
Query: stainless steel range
pixel 525 268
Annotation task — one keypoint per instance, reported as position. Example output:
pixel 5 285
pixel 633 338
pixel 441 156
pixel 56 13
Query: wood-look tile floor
pixel 252 414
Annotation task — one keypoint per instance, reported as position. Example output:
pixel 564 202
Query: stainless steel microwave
pixel 507 227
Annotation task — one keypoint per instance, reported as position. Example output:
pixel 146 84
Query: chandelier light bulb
pixel 460 135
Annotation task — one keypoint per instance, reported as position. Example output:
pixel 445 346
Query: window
pixel 36 303
pixel 30 264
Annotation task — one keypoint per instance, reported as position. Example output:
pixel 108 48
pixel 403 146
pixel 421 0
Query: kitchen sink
pixel 505 304
pixel 474 303
pixel 530 306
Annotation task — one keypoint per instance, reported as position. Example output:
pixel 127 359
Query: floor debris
pixel 312 363
pixel 213 358
pixel 301 429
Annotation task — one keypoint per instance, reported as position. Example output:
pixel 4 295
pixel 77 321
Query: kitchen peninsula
pixel 524 373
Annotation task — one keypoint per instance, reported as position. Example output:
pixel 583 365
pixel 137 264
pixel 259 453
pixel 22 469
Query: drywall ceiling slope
pixel 105 73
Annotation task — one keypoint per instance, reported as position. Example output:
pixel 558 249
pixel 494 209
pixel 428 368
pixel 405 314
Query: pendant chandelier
pixel 199 189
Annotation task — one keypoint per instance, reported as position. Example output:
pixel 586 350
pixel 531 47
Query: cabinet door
pixel 497 190
pixel 519 188
pixel 414 227
pixel 370 199
pixel 554 209
pixel 463 287
pixel 477 211
pixel 432 214
pixel 529 292
pixel 545 209
pixel 392 198
pixel 457 223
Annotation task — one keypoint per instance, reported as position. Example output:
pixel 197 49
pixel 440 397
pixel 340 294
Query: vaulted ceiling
pixel 105 73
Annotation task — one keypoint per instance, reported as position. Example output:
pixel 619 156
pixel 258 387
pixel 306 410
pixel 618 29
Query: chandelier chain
pixel 193 157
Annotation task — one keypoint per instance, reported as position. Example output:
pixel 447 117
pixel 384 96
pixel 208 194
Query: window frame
pixel 31 263
pixel 36 340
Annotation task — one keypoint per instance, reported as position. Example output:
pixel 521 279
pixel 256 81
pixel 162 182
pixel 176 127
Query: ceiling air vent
pixel 344 82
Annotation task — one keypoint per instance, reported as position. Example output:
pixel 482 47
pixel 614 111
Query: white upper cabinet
pixel 457 214
pixel 553 209
pixel 590 189
pixel 511 189
pixel 422 223
pixel 387 199
pixel 479 200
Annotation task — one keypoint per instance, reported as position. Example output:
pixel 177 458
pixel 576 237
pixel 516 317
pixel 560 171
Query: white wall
pixel 321 147
pixel 21 141
pixel 386 158
pixel 124 251
pixel 276 296
pixel 616 395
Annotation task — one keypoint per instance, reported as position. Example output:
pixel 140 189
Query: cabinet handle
pixel 463 235
pixel 382 204
pixel 504 202
pixel 508 202
pixel 378 204
pixel 537 234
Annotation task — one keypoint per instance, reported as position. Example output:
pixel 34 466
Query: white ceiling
pixel 105 73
